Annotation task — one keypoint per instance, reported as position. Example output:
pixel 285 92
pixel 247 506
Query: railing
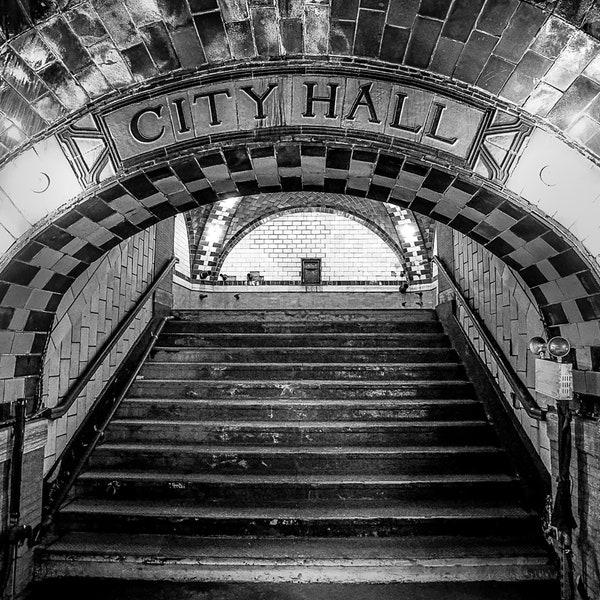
pixel 98 360
pixel 521 393
pixel 66 470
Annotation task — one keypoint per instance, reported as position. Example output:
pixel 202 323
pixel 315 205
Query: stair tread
pixel 311 382
pixel 302 424
pixel 411 365
pixel 383 403
pixel 398 511
pixel 333 450
pixel 349 350
pixel 230 548
pixel 310 334
pixel 288 479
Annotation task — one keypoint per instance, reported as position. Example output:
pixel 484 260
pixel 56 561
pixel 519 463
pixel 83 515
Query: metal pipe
pixel 16 474
pixel 14 533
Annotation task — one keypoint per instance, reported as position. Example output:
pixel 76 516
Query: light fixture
pixel 538 345
pixel 557 347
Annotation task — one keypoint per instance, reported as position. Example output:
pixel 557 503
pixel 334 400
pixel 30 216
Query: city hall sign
pixel 203 113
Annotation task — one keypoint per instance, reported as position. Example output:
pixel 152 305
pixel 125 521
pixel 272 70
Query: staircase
pixel 312 446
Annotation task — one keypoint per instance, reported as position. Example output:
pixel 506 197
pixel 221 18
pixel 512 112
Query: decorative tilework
pixel 52 259
pixel 528 55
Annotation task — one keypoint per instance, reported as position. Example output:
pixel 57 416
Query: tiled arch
pixel 61 56
pixel 33 281
pixel 241 233
pixel 228 218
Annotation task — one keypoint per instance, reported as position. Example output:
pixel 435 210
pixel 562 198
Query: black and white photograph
pixel 300 299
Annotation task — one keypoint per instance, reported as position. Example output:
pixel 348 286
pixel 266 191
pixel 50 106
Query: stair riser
pixel 486 493
pixel 305 315
pixel 311 355
pixel 317 391
pixel 309 327
pixel 377 527
pixel 127 577
pixel 406 436
pixel 432 340
pixel 181 411
pixel 253 464
pixel 264 372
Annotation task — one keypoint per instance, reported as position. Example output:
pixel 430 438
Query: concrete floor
pixel 89 589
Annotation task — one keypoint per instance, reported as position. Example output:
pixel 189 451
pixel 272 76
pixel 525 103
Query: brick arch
pixel 48 259
pixel 348 214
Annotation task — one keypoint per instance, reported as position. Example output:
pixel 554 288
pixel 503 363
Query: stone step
pixel 304 339
pixel 314 390
pixel 347 327
pixel 308 354
pixel 289 489
pixel 301 460
pixel 445 560
pixel 399 519
pixel 304 433
pixel 303 371
pixel 300 410
pixel 304 315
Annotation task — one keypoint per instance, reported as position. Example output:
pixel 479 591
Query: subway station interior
pixel 300 299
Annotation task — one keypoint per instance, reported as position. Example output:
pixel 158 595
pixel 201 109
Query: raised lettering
pixel 363 98
pixel 432 133
pixel 259 100
pixel 134 126
pixel 311 99
pixel 398 110
pixel 212 105
pixel 182 122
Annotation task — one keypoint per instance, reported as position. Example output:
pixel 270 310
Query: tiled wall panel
pixel 182 246
pixel 88 313
pixel 348 250
pixel 509 313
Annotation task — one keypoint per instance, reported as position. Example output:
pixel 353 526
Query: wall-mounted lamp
pixel 557 347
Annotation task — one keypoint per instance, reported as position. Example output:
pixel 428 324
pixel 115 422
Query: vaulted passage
pixel 300 291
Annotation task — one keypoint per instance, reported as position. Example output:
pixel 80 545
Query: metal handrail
pixel 90 370
pixel 98 434
pixel 522 394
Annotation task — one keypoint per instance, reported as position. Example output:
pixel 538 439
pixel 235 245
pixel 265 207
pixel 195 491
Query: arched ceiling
pixel 214 235
pixel 390 241
pixel 482 114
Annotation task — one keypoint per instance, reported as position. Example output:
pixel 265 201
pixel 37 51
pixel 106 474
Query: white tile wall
pixel 182 248
pixel 502 301
pixel 349 250
pixel 88 313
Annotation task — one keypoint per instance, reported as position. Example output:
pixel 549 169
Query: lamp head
pixel 537 345
pixel 558 347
